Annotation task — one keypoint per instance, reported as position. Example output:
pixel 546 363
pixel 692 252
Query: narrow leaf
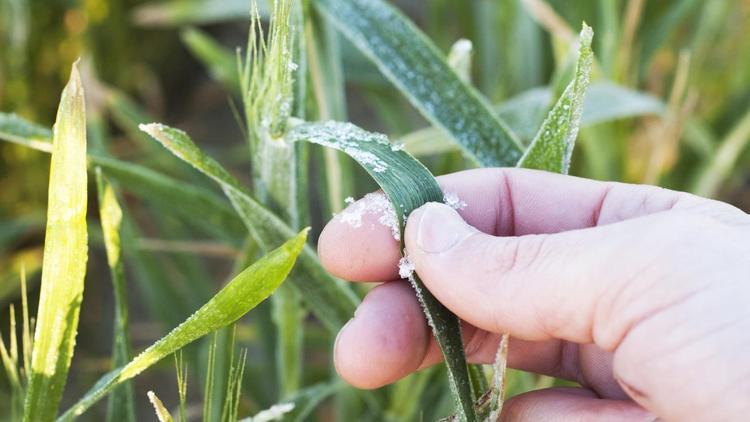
pixel 195 204
pixel 329 299
pixel 239 296
pixel 181 12
pixel 412 63
pixel 121 406
pixel 17 129
pixel 65 254
pixel 709 179
pixel 553 144
pixel 408 185
pixel 524 113
pixel 161 412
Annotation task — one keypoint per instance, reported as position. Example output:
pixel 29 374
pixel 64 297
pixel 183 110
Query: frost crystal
pixel 373 203
pixel 397 146
pixel 452 200
pixel 274 413
pixel 405 267
pixel 345 137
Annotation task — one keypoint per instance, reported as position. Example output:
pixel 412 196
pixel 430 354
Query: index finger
pixel 359 244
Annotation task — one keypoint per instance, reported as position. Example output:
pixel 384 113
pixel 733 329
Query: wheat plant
pixel 299 159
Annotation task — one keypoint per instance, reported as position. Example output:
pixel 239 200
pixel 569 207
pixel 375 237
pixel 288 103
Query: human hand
pixel 640 294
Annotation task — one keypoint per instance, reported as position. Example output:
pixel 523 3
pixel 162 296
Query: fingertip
pixel 385 341
pixel 359 250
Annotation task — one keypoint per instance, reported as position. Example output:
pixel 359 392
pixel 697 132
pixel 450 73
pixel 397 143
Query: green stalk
pixel 120 406
pixel 278 167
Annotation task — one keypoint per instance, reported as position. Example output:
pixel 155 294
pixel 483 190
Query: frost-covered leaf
pixel 408 185
pixel 65 255
pixel 331 301
pixel 459 59
pixel 553 144
pixel 239 296
pixel 162 414
pixel 415 66
pixel 524 113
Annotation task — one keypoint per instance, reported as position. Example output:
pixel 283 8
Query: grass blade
pixel 412 63
pixel 709 180
pixel 195 12
pixel 329 299
pixel 65 254
pixel 205 209
pixel 239 296
pixel 19 130
pixel 524 113
pixel 161 412
pixel 121 406
pixel 408 185
pixel 553 144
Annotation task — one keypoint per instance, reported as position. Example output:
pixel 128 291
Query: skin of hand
pixel 638 293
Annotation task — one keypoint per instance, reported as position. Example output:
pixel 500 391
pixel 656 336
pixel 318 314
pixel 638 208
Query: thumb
pixel 535 287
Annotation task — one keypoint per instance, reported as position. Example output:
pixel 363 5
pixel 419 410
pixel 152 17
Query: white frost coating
pixel 398 146
pixel 373 203
pixel 405 267
pixel 452 200
pixel 462 47
pixel 367 159
pixel 274 413
pixel 158 406
pixel 344 137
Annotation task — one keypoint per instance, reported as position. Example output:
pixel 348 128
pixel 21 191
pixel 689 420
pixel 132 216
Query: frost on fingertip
pixel 452 200
pixel 373 203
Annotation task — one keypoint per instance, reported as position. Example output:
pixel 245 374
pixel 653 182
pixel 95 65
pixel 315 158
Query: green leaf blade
pixel 65 255
pixel 415 66
pixel 239 296
pixel 408 185
pixel 552 146
pixel 330 300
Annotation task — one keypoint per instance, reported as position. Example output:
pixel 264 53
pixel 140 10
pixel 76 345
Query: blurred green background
pixel 144 61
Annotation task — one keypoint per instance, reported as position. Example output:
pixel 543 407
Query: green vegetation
pixel 280 107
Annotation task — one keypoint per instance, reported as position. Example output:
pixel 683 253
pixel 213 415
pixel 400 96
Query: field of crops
pixel 167 166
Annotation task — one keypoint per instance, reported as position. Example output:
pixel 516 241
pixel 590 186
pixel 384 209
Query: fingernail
pixel 440 228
